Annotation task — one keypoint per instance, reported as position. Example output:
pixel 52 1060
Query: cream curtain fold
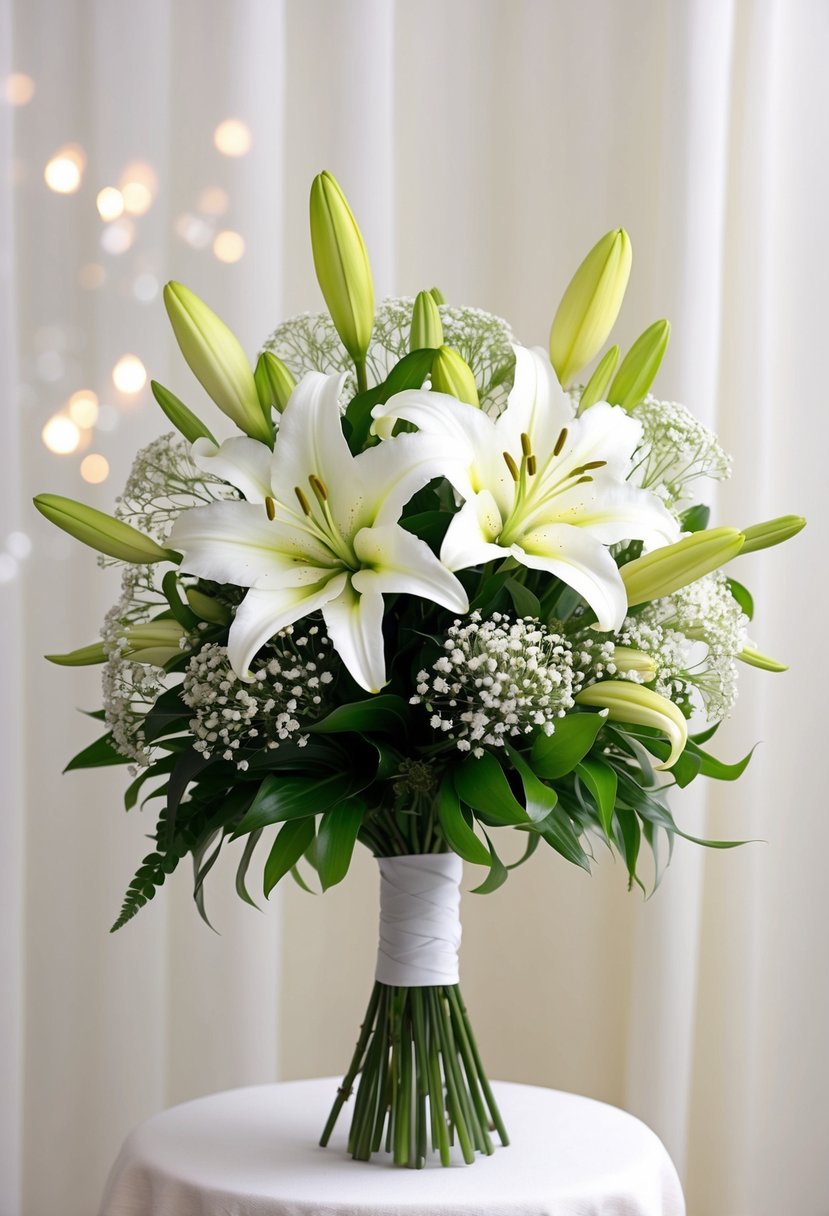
pixel 485 144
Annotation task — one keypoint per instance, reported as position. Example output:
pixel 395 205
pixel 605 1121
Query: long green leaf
pixel 711 767
pixel 497 876
pixel 280 798
pixel 538 797
pixel 292 841
pixel 410 372
pixel 558 754
pixel 336 837
pixel 481 784
pixel 385 713
pixel 97 755
pixel 242 869
pixel 602 782
pixel 459 835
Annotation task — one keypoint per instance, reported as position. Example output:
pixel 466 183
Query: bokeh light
pixel 195 231
pixel 19 89
pixel 232 137
pixel 64 172
pixel 108 418
pixel 129 375
pixel 83 408
pixel 94 468
pixel 91 276
pixel 118 237
pixel 61 435
pixel 145 287
pixel 19 545
pixel 137 198
pixel 229 246
pixel 213 200
pixel 110 203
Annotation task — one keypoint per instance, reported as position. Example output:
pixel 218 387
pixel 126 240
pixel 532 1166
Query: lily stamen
pixel 270 507
pixel 526 446
pixel 319 487
pixel 532 465
pixel 560 442
pixel 512 466
pixel 303 501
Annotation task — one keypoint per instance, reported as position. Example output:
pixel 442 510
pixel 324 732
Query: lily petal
pixel 242 462
pixel 537 405
pixel 397 468
pixel 581 561
pixel 262 613
pixel 230 542
pixel 311 441
pixel 355 626
pixel 394 561
pixel 612 511
pixel 471 536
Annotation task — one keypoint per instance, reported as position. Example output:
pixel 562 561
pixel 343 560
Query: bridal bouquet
pixel 436 587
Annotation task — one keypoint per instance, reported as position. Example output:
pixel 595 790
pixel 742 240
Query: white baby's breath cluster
pixel 497 678
pixel 694 637
pixel 676 450
pixel 310 343
pixel 232 718
pixel 163 482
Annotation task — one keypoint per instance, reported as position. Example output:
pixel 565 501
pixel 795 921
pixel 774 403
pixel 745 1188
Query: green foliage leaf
pixel 482 784
pixel 742 595
pixel 410 372
pixel 244 864
pixel 182 612
pixel 711 767
pixel 556 755
pixel 430 526
pixel 459 835
pixel 293 839
pixel 497 876
pixel 336 838
pixel 279 798
pixel 695 519
pixel 602 782
pixel 384 713
pixel 99 754
pixel 539 799
pixel 559 834
pixel 524 601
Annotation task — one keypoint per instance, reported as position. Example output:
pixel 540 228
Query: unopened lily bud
pixel 773 532
pixel 596 387
pixel 85 656
pixel 274 383
pixel 590 305
pixel 639 366
pixel 451 374
pixel 631 661
pixel 755 659
pixel 183 419
pixel 427 328
pixel 667 569
pixel 101 531
pixel 342 265
pixel 217 360
pixel 627 702
pixel 437 295
pixel 208 608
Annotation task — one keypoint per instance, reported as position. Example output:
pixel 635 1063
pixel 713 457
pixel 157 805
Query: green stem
pixel 362 382
pixel 494 1113
pixel 344 1092
pixel 456 1111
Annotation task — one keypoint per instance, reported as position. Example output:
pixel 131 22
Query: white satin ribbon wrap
pixel 420 925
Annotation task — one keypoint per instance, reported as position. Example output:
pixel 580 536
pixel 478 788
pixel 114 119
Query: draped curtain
pixel 484 145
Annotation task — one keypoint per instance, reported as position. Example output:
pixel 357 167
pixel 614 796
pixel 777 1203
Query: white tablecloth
pixel 253 1152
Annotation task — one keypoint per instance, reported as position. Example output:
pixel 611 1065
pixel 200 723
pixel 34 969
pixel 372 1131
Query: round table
pixel 254 1152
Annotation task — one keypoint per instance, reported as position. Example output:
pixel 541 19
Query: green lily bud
pixel 627 659
pixel 217 360
pixel 427 328
pixel 627 702
pixel 342 266
pixel 596 387
pixel 590 305
pixel 208 608
pixel 437 295
pixel 667 569
pixel 639 366
pixel 451 374
pixel 274 383
pixel 773 532
pixel 755 659
pixel 101 531
pixel 183 419
pixel 86 656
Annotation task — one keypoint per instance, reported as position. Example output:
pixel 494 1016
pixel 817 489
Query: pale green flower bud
pixel 755 659
pixel 627 659
pixel 451 374
pixel 627 702
pixel 217 360
pixel 427 328
pixel 86 656
pixel 773 532
pixel 342 266
pixel 596 387
pixel 274 383
pixel 437 295
pixel 667 569
pixel 101 531
pixel 639 366
pixel 183 419
pixel 208 608
pixel 590 305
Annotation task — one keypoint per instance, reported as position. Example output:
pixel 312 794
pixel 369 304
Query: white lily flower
pixel 318 531
pixel 540 484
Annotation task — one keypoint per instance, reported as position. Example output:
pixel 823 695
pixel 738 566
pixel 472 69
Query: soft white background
pixel 484 146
